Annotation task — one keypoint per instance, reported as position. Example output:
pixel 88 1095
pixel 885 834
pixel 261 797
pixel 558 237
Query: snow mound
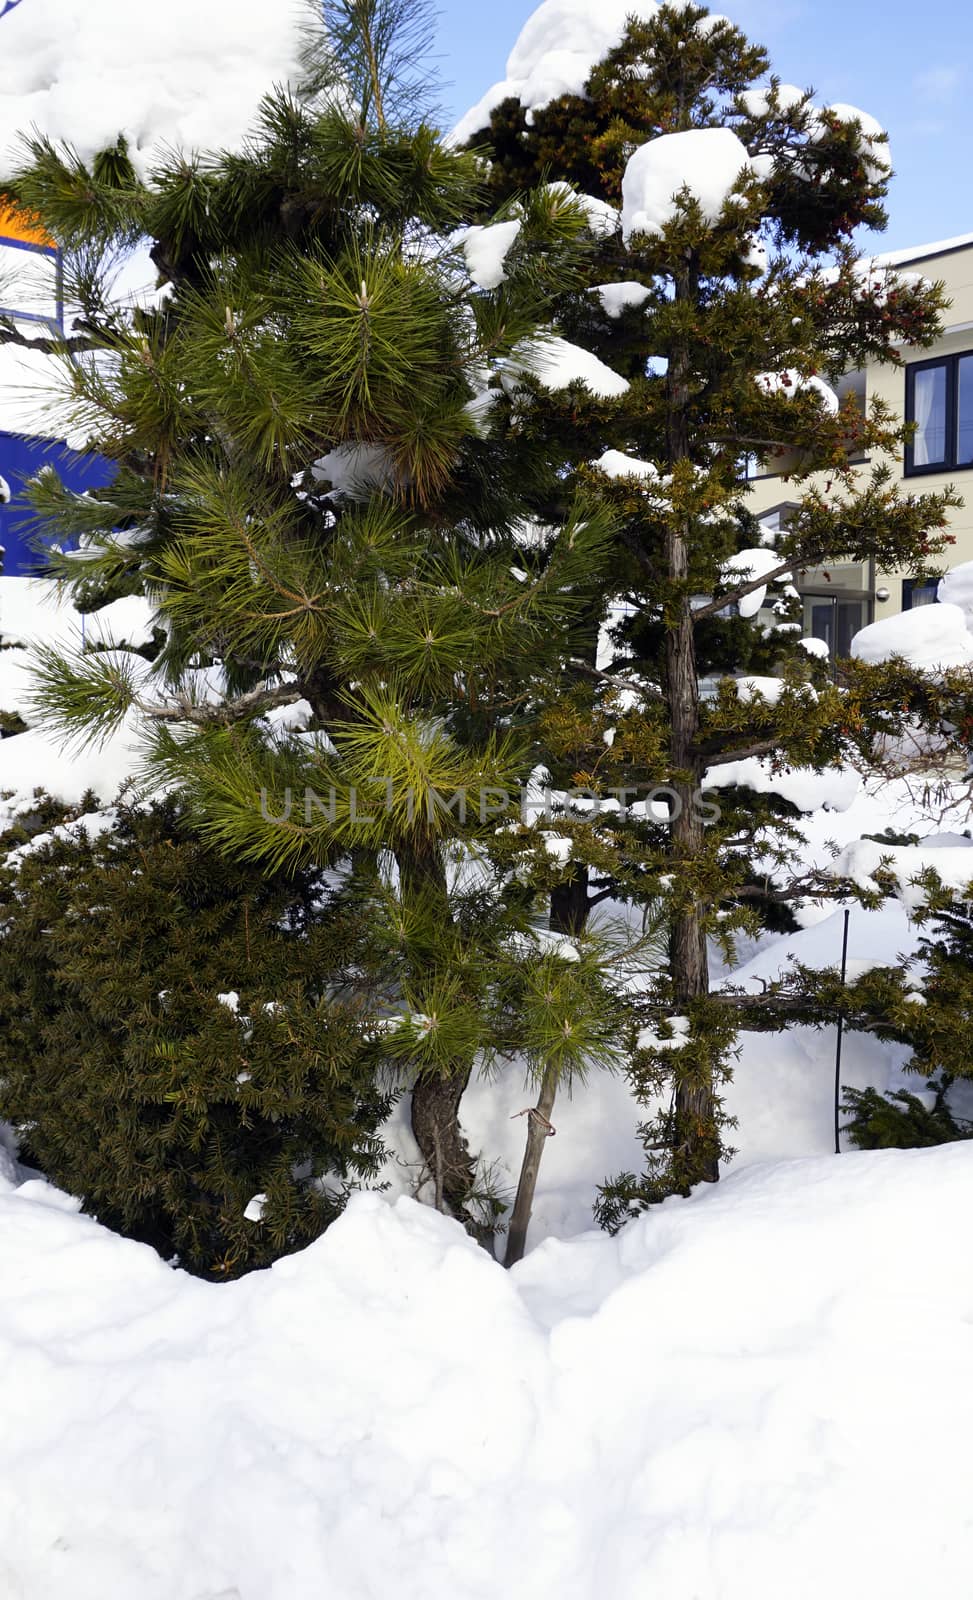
pixel 554 363
pixel 618 297
pixel 952 862
pixel 193 78
pixel 616 464
pixel 706 161
pixel 956 589
pixel 392 1411
pixel 485 249
pixel 744 567
pixel 791 382
pixel 555 52
pixel 929 637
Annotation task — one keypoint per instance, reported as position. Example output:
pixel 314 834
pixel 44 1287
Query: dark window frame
pixel 949 462
pixel 910 585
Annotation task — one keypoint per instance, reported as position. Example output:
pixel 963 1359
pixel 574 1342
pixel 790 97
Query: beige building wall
pixel 952 264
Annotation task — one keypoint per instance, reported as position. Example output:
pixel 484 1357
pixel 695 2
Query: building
pixel 934 389
pixel 31 299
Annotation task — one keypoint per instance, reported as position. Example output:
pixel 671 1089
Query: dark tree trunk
pixel 696 1143
pixel 569 913
pixel 436 1096
pixel 538 1133
pixel 436 1125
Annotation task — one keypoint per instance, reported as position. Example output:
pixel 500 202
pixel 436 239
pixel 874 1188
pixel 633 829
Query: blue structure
pixel 32 265
pixel 21 459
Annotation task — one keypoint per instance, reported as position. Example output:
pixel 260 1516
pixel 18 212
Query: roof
pixel 919 252
pixel 17 225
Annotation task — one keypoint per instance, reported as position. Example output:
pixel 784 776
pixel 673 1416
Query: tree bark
pixel 695 1103
pixel 569 913
pixel 436 1126
pixel 436 1096
pixel 538 1133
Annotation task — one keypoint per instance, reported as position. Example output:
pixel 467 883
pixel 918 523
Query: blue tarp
pixel 21 459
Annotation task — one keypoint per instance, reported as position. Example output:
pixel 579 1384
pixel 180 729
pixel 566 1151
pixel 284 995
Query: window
pixel 915 593
pixel 939 400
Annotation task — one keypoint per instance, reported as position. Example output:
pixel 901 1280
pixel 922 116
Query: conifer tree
pixel 189 1048
pixel 312 485
pixel 723 287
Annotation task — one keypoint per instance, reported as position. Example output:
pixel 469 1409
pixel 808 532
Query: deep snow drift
pixel 734 1400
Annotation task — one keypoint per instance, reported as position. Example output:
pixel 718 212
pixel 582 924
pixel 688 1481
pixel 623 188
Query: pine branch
pixel 181 708
pixel 734 596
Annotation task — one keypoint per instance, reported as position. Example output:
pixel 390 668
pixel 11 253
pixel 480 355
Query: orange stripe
pixel 21 226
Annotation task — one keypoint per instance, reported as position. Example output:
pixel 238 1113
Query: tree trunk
pixel 436 1126
pixel 696 1143
pixel 569 913
pixel 538 1133
pixel 436 1096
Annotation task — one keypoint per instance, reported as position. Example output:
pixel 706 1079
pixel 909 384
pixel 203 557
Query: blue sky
pixel 910 65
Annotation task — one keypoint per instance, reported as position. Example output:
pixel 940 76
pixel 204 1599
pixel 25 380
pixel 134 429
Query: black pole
pixel 837 1053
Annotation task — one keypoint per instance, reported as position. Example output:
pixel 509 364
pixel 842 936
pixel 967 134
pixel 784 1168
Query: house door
pixel 834 619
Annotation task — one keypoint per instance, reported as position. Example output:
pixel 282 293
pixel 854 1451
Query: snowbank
pixel 700 1407
pixel 191 77
pixel 929 637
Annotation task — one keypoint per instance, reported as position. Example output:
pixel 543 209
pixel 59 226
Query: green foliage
pixel 901 1121
pixel 694 348
pixel 132 1085
pixel 384 553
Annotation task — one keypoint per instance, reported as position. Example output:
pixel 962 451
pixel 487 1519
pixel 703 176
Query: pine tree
pixel 313 484
pixel 187 1047
pixel 727 316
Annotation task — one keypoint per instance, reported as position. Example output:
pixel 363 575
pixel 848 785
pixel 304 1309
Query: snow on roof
pixel 189 75
pixel 555 52
pixel 918 252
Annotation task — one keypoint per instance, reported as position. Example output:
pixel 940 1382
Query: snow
pixel 929 637
pixel 791 382
pixel 956 589
pixel 30 385
pixel 356 470
pixel 485 249
pixel 616 464
pixel 952 863
pixel 34 611
pixel 87 73
pixel 555 362
pixel 835 788
pixel 756 102
pixel 555 52
pixel 743 568
pixel 707 161
pixel 877 159
pixel 918 252
pixel 602 218
pixel 769 689
pixel 583 1426
pixel 618 297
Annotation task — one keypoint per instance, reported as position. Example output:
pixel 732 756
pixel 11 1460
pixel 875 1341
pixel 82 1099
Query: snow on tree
pixel 736 201
pixel 357 644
